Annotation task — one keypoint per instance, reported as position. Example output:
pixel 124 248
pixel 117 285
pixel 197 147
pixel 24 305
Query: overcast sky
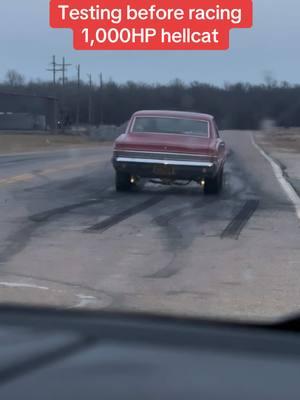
pixel 27 44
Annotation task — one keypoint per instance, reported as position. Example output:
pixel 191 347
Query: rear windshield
pixel 181 126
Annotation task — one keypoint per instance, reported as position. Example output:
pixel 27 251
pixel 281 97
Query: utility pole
pixel 78 96
pixel 64 68
pixel 101 98
pixel 54 69
pixel 90 98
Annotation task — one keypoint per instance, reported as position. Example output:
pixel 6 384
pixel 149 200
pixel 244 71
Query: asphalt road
pixel 68 239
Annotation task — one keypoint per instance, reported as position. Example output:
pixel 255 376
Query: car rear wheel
pixel 123 183
pixel 214 185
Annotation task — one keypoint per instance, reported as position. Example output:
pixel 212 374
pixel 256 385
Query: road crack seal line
pixel 123 215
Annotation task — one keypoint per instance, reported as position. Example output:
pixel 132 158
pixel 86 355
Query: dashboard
pixel 50 354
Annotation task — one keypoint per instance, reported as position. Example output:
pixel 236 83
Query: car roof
pixel 169 113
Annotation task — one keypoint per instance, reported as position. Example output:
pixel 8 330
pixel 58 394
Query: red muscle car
pixel 169 147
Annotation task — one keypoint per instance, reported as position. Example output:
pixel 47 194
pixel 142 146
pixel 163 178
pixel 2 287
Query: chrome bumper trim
pixel 165 162
pixel 122 153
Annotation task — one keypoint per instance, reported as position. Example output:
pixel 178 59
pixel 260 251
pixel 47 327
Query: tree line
pixel 235 106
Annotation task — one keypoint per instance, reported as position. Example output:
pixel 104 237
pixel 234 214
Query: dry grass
pixel 285 140
pixel 18 143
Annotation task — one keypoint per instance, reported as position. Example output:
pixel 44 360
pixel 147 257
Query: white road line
pixel 85 301
pixel 22 285
pixel 287 187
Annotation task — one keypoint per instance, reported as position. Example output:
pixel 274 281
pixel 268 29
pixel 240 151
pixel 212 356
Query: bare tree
pixel 14 78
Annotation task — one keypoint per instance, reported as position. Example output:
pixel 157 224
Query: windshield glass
pixel 170 125
pixel 96 214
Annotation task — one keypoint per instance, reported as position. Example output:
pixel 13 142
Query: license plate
pixel 163 170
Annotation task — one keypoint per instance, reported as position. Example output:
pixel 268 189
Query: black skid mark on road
pixel 165 219
pixel 168 271
pixel 123 215
pixel 237 187
pixel 178 240
pixel 47 215
pixel 235 227
pixel 18 241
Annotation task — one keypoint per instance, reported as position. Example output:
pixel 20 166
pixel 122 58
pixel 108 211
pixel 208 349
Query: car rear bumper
pixel 160 167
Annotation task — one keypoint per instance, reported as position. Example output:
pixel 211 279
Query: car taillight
pixel 213 153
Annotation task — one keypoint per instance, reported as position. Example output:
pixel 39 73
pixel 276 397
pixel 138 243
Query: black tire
pixel 122 182
pixel 214 185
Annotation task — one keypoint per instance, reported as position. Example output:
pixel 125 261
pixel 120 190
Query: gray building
pixel 27 112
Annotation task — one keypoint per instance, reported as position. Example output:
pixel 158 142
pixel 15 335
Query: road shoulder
pixel 24 144
pixel 283 146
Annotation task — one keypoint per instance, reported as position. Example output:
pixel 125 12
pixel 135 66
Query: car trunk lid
pixel 170 143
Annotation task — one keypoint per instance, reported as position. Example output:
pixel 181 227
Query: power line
pixel 56 67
